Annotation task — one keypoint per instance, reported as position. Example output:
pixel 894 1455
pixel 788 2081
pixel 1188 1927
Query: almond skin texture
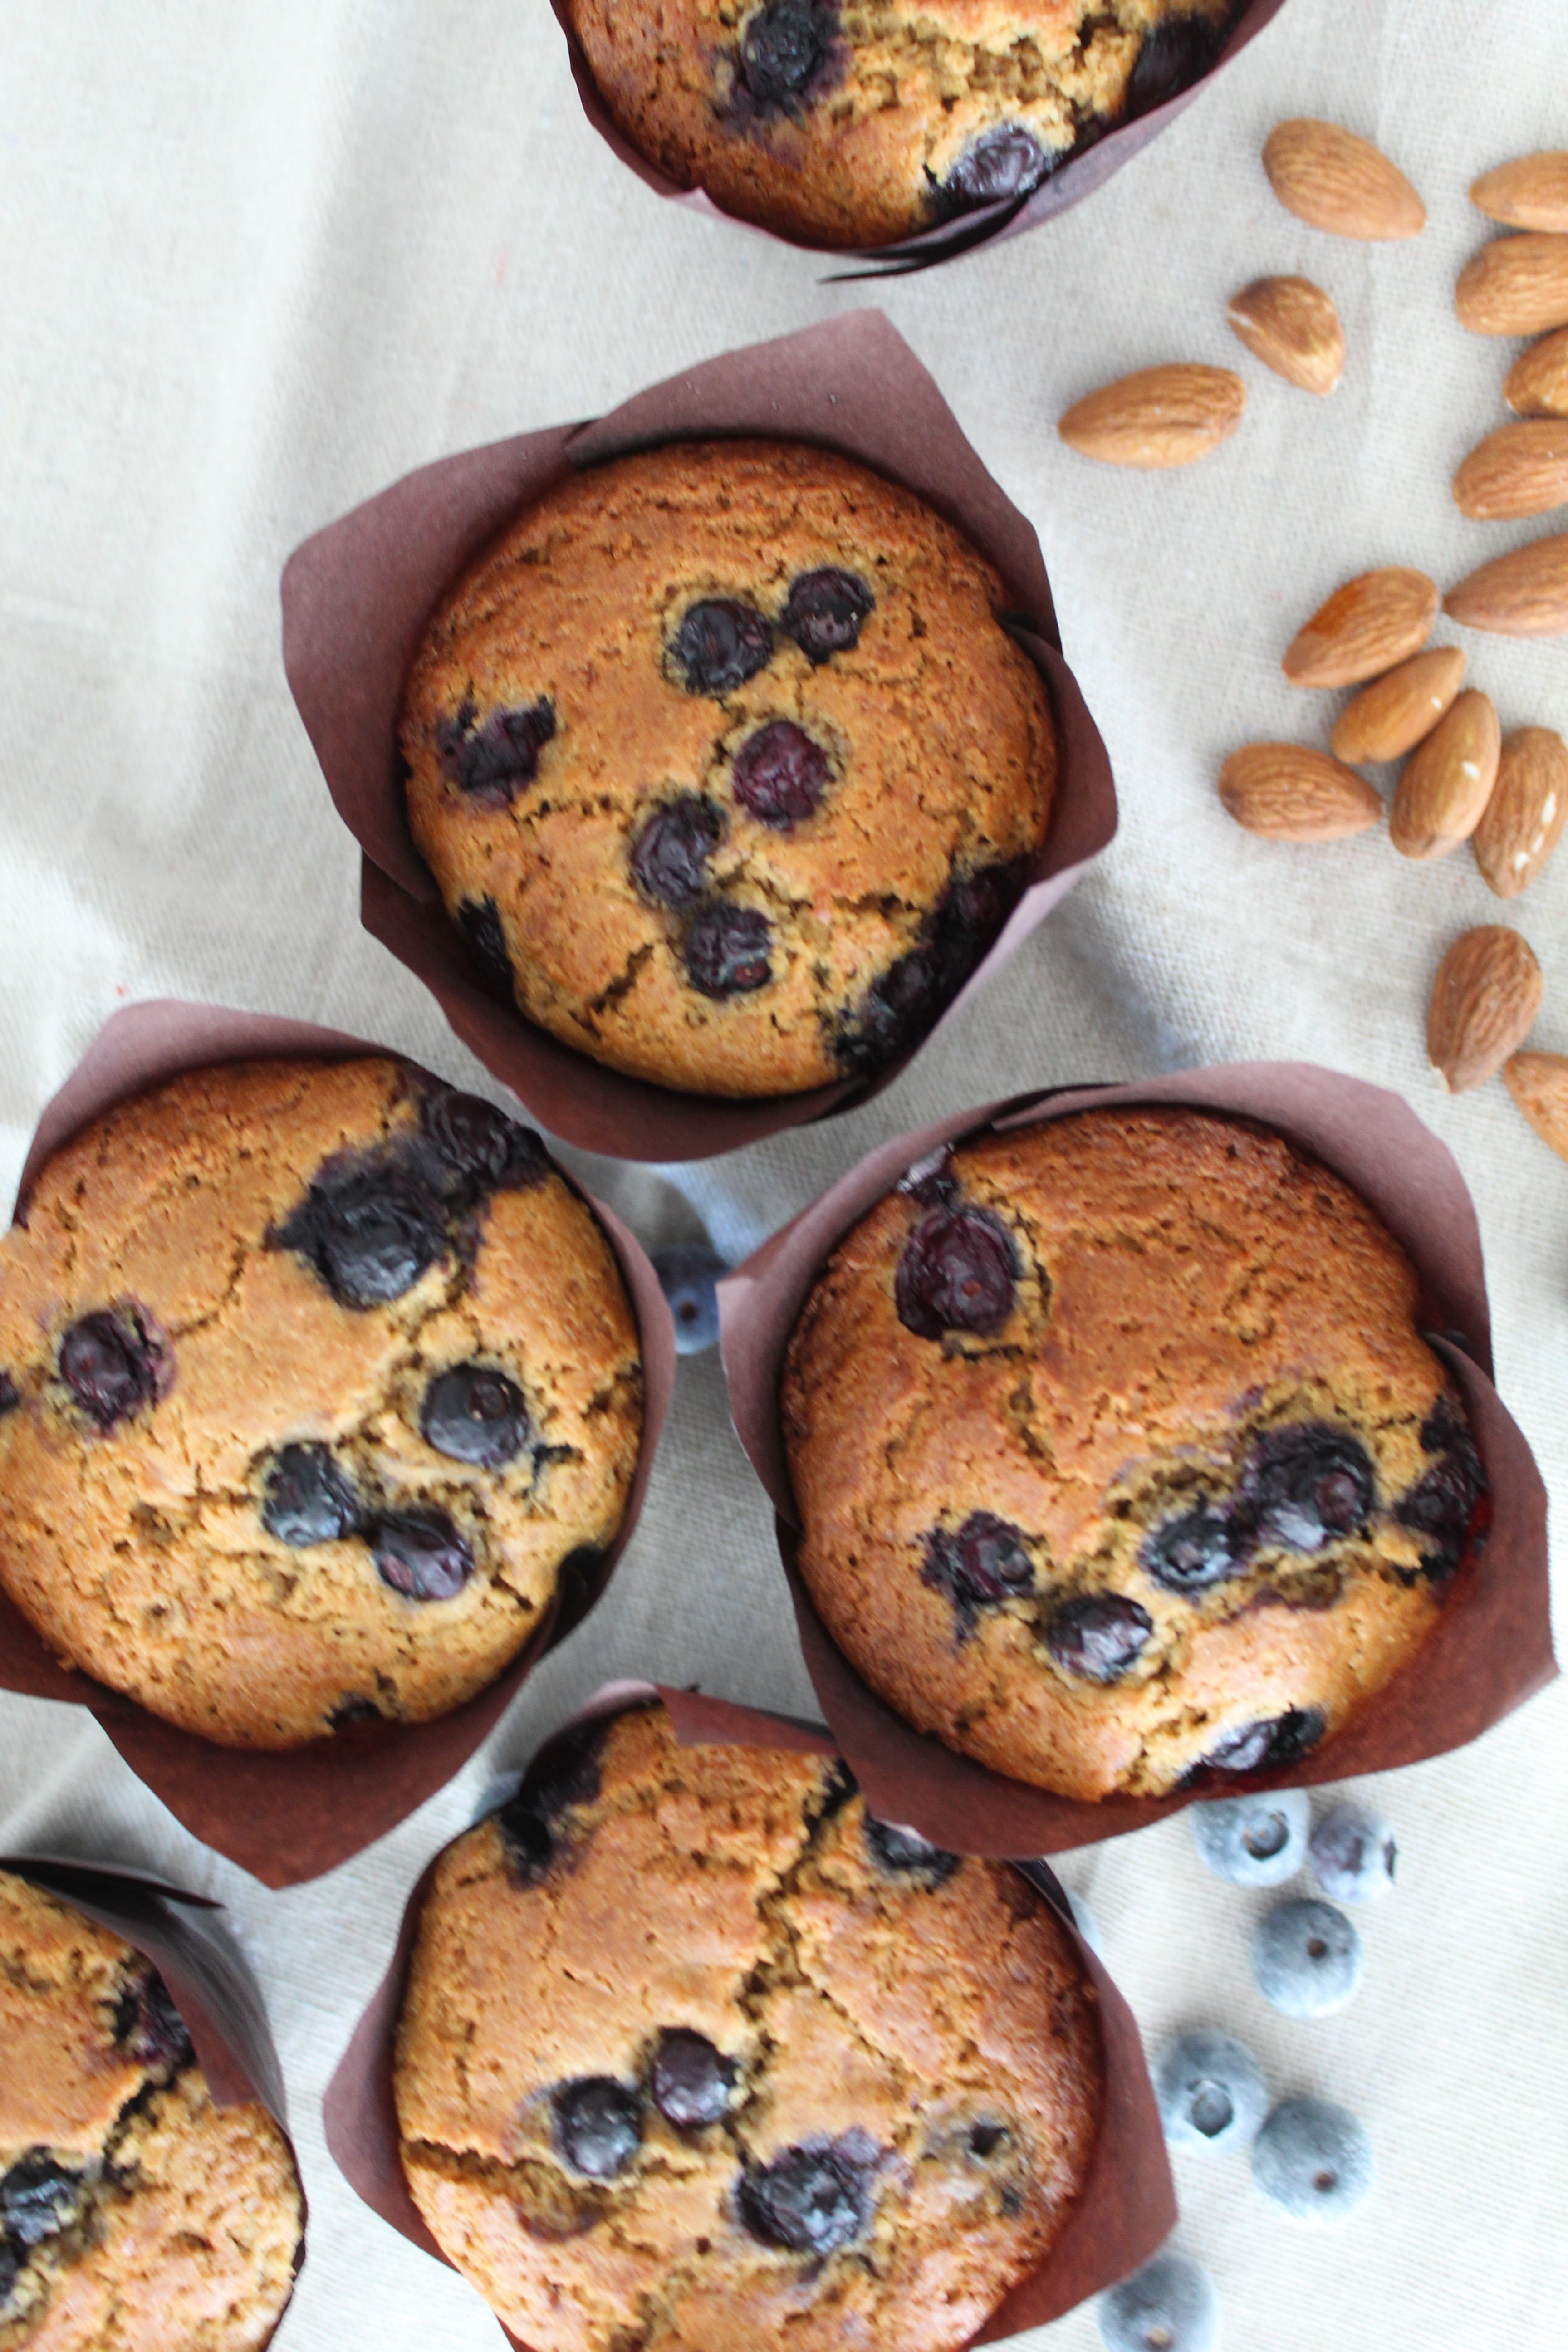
pixel 1522 594
pixel 1287 793
pixel 1539 1084
pixel 1524 818
pixel 1537 383
pixel 1393 714
pixel 1484 1001
pixel 1515 286
pixel 1447 781
pixel 1157 418
pixel 1334 181
pixel 1531 193
pixel 1293 328
pixel 1520 469
pixel 1372 622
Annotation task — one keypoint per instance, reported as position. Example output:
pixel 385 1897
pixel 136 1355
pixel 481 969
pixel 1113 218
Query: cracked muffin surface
pixel 847 122
pixel 1121 1461
pixel 695 2055
pixel 316 1381
pixel 134 2213
pixel 725 767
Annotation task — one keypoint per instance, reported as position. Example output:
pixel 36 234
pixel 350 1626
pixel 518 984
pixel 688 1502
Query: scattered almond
pixel 1537 383
pixel 1366 626
pixel 1527 812
pixel 1515 286
pixel 1484 1000
pixel 1289 792
pixel 1539 1084
pixel 1448 781
pixel 1159 416
pixel 1390 717
pixel 1520 469
pixel 1522 594
pixel 1531 193
pixel 1293 328
pixel 1330 178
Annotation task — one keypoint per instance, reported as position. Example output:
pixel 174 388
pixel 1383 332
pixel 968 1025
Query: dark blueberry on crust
pixel 692 2080
pixel 811 2200
pixel 10 2267
pixel 905 1001
pixel 1200 1548
pixel 1174 56
pixel 978 1564
pixel 113 1366
pixel 972 912
pixel 1005 162
pixel 727 951
pixel 784 48
pixel 1309 1484
pixel 479 921
pixel 352 1710
pixel 421 1554
pixel 1098 1636
pixel 598 2125
pixel 370 1233
pixel 825 612
pixel 779 774
pixel 38 2199
pixel 1273 1745
pixel 720 643
pixel 904 1853
pixel 958 1273
pixel 307 1498
pixel 149 2027
pixel 10 1395
pixel 495 762
pixel 479 1149
pixel 473 1414
pixel 1441 1508
pixel 527 1838
pixel 931 1181
pixel 569 1775
pixel 669 857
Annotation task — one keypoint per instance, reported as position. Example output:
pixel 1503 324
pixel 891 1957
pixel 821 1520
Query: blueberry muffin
pixel 134 2213
pixel 726 768
pixel 855 122
pixel 695 2055
pixel 1121 1461
pixel 319 1382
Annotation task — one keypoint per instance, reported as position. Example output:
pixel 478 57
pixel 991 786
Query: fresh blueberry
pixel 1277 1742
pixel 727 951
pixel 113 1366
pixel 369 1233
pixel 1306 1959
pixel 478 1149
pixel 1309 1484
pixel 720 643
pixel 979 1564
pixel 479 921
pixel 474 1415
pixel 904 1853
pixel 421 1554
pixel 688 1276
pixel 1170 2305
pixel 958 1272
pixel 669 857
pixel 811 2200
pixel 494 761
pixel 1313 2159
pixel 691 2081
pixel 784 48
pixel 1005 162
pixel 1199 1547
pixel 38 2199
pixel 1353 1854
pixel 826 612
pixel 1211 2090
pixel 1098 1636
pixel 779 774
pixel 598 2125
pixel 307 1498
pixel 1254 1841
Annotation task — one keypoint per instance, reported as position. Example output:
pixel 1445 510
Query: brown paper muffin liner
pixel 208 1979
pixel 289 1816
pixel 356 598
pixel 1088 169
pixel 1491 1646
pixel 1127 2205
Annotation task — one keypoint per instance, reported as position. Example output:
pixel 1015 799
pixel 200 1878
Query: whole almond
pixel 1390 717
pixel 1292 327
pixel 1484 1000
pixel 1530 194
pixel 1539 1084
pixel 1523 820
pixel 1330 178
pixel 1520 469
pixel 1289 792
pixel 1515 286
pixel 1366 626
pixel 1447 781
pixel 1157 418
pixel 1522 594
pixel 1537 383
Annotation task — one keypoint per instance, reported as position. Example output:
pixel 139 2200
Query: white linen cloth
pixel 259 260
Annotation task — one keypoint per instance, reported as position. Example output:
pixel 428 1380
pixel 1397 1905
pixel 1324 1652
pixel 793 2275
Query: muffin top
pixel 1118 1455
pixel 847 122
pixel 725 767
pixel 316 1377
pixel 694 2052
pixel 134 2213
